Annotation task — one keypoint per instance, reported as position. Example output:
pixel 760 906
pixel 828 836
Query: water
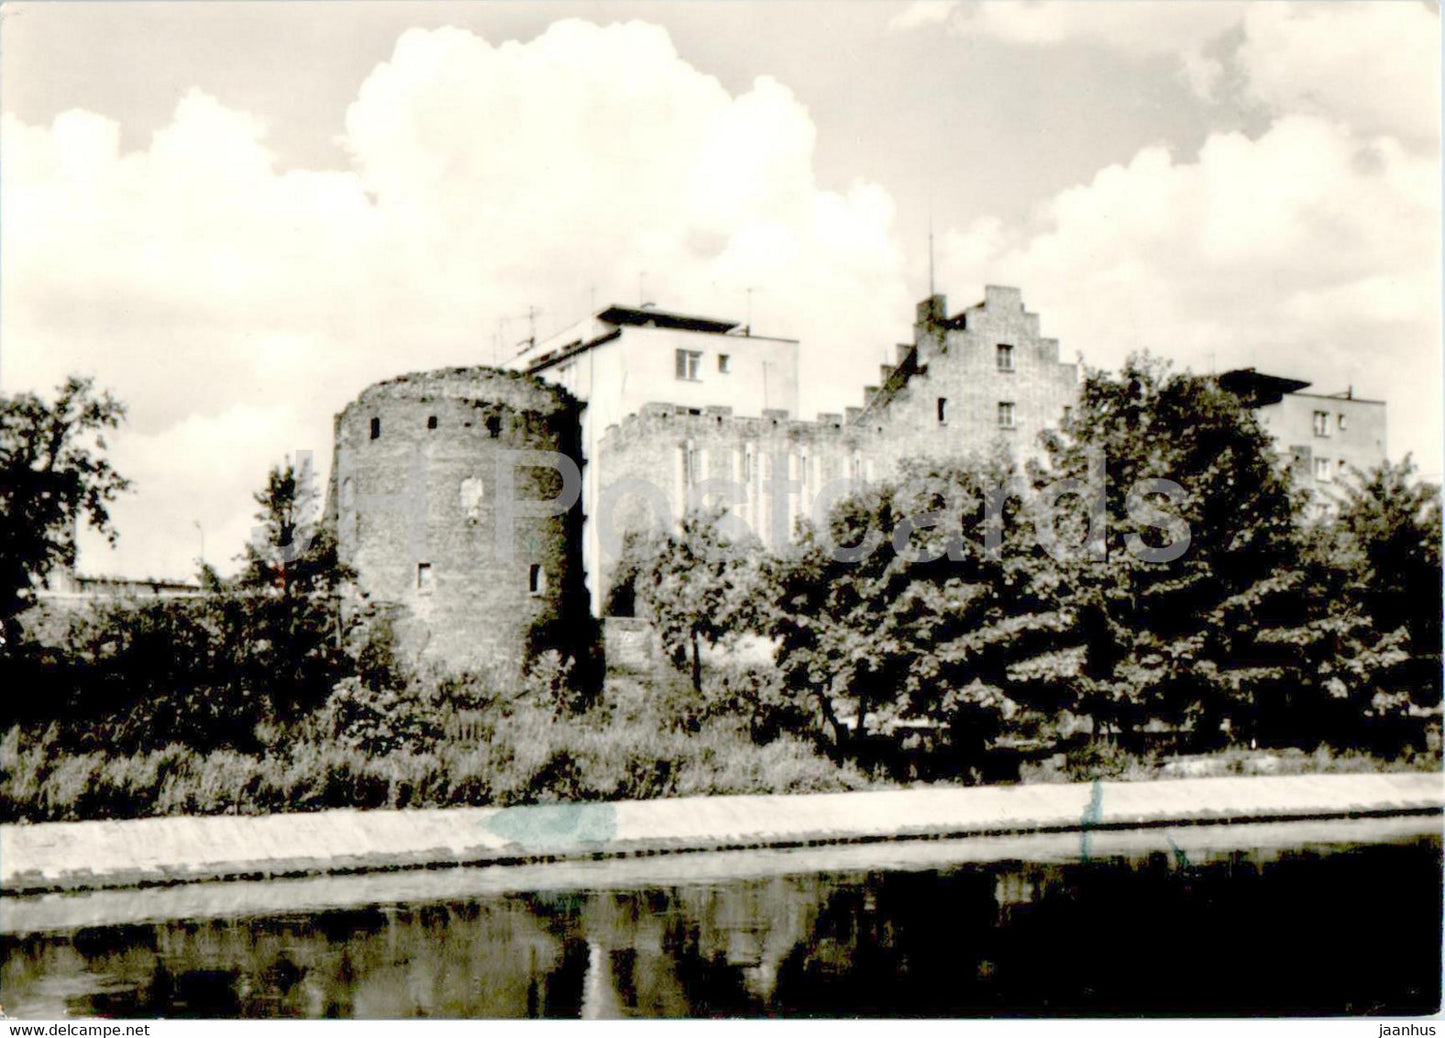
pixel 1338 918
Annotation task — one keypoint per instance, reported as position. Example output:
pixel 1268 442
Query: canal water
pixel 1283 919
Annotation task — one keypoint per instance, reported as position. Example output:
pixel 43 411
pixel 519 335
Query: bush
pixel 380 721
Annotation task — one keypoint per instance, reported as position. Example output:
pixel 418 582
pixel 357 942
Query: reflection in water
pixel 1317 930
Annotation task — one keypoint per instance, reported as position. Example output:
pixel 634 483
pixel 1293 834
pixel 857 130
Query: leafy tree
pixel 1389 527
pixel 53 472
pixel 289 582
pixel 935 623
pixel 699 588
pixel 1158 603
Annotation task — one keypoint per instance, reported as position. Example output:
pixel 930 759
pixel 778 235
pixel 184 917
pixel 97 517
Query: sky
pixel 238 215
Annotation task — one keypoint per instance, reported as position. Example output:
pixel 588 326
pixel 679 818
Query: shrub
pixel 380 721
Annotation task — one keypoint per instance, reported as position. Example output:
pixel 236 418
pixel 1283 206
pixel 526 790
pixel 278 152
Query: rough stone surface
pixel 415 492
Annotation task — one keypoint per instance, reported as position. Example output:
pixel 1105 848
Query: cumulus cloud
pixel 236 306
pixel 1307 251
pixel 1374 66
pixel 1157 28
pixel 924 12
pixel 1375 63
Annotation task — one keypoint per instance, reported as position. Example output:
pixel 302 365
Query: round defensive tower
pixel 448 496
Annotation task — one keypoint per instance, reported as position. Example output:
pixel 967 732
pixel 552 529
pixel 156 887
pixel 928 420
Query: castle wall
pixel 957 361
pixel 417 511
pixel 666 450
pixel 654 466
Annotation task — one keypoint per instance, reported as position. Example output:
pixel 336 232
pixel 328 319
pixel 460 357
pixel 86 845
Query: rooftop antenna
pixel 531 340
pixel 931 290
pixel 642 288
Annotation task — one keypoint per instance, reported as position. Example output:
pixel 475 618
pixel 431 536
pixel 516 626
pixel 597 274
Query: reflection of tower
pixel 599 988
pixel 1011 889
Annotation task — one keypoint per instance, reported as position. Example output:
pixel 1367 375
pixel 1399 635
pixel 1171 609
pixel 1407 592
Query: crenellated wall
pixel 651 466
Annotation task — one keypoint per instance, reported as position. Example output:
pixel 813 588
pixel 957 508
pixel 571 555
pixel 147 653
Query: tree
pixel 1389 527
pixel 1171 558
pixel 934 623
pixel 289 582
pixel 698 588
pixel 53 472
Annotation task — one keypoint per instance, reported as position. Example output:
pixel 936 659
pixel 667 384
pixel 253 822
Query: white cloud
pixel 924 12
pixel 1307 251
pixel 235 307
pixel 1136 29
pixel 1374 66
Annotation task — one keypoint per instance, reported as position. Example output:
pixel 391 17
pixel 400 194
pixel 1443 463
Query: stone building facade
pixel 657 412
pixel 983 380
pixel 1323 437
pixel 440 508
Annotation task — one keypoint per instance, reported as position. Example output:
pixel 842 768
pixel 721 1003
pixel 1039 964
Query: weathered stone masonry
pixel 419 459
pixel 981 381
pixel 415 504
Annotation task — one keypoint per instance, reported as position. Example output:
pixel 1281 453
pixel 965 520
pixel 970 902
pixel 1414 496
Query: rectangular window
pixel 431 421
pixel 688 363
pixel 724 363
pixel 1068 413
pixel 536 579
pixel 425 580
pixel 494 427
pixel 943 410
pixel 376 428
pixel 1323 471
pixel 1322 423
pixel 1342 423
pixel 1005 414
pixel 1005 355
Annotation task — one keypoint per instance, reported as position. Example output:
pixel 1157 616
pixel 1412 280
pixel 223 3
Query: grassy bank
pixel 632 743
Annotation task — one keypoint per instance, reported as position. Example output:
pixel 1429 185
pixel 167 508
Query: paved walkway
pixel 90 855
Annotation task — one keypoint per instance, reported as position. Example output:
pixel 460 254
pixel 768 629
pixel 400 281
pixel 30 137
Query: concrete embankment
pixel 143 852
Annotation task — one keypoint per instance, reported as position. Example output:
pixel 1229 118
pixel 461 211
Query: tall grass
pixel 635 742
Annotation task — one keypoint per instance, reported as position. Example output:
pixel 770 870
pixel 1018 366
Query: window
pixel 376 428
pixel 472 493
pixel 691 469
pixel 1005 414
pixel 1323 471
pixel 943 410
pixel 1005 356
pixel 431 421
pixel 1068 414
pixel 536 579
pixel 425 579
pixel 724 363
pixel 1322 423
pixel 1341 423
pixel 494 427
pixel 688 363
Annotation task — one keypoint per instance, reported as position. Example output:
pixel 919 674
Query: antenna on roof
pixel 642 288
pixel 931 290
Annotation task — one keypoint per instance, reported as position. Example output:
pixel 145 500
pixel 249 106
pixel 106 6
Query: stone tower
pixel 455 498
